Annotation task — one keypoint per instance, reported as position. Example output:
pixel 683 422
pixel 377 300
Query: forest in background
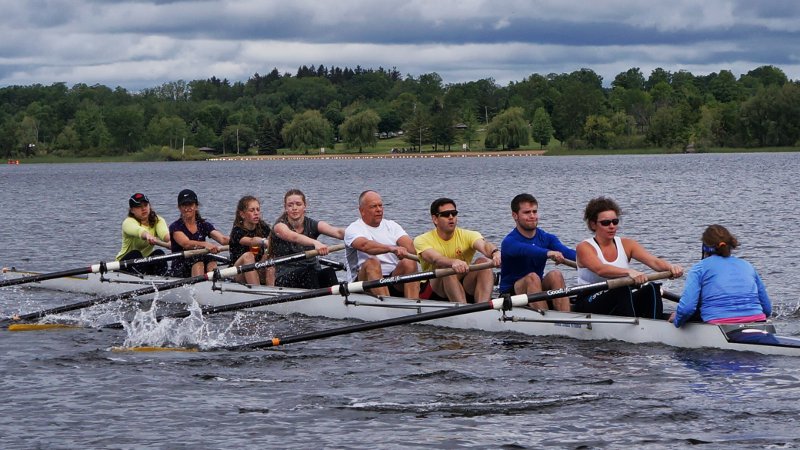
pixel 352 109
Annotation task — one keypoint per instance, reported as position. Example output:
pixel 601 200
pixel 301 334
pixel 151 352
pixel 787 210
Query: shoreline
pixel 381 155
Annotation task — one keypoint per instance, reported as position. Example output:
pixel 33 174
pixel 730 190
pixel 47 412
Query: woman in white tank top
pixel 606 256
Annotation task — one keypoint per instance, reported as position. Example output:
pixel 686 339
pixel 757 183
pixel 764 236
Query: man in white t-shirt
pixel 378 247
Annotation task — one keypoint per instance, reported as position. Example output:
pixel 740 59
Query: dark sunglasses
pixel 450 213
pixel 608 222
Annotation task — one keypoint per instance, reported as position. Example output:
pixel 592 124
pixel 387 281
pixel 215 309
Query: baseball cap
pixel 137 199
pixel 187 196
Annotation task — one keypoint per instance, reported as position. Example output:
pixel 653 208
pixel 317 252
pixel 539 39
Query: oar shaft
pixel 102 267
pixel 498 303
pixel 343 289
pixel 431 315
pixel 232 271
pixel 46 276
pixel 589 288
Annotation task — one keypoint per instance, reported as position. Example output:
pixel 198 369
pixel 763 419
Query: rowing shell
pixel 369 308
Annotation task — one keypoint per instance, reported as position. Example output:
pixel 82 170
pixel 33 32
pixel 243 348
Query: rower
pixel 526 250
pixel 449 246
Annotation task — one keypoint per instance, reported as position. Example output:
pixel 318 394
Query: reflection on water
pixel 405 386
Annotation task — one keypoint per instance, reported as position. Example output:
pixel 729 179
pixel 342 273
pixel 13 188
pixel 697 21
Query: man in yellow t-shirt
pixel 448 246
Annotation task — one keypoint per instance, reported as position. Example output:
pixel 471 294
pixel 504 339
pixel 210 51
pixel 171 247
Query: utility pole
pixel 237 141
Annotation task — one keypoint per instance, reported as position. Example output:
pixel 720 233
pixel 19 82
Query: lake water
pixel 414 386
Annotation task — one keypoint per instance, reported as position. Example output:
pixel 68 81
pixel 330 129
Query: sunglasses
pixel 608 222
pixel 450 213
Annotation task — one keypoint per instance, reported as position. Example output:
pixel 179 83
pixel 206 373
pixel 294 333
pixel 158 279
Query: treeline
pixel 326 106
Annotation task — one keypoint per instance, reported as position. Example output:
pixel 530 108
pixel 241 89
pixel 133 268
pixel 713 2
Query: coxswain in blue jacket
pixel 724 288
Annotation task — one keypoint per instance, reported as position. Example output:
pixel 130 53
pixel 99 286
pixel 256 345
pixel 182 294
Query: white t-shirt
pixel 586 276
pixel 388 233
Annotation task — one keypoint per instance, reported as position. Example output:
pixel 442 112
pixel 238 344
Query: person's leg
pixel 406 267
pixel 555 280
pixel 530 284
pixel 449 287
pixel 250 277
pixel 371 270
pixel 647 301
pixel 615 302
pixel 479 283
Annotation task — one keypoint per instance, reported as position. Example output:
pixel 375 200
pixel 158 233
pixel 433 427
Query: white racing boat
pixel 369 308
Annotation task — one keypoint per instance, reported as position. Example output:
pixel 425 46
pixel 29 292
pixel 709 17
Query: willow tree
pixel 359 129
pixel 308 129
pixel 508 130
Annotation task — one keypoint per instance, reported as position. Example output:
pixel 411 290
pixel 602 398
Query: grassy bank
pixel 383 147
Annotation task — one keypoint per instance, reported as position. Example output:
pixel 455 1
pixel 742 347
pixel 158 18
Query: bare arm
pixel 371 247
pixel 287 234
pixel 488 249
pixel 436 259
pixel 329 230
pixel 640 254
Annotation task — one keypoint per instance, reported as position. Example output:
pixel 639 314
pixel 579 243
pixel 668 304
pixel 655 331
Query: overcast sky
pixel 140 44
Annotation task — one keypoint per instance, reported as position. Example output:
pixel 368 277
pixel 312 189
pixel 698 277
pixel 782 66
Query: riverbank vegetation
pixel 344 110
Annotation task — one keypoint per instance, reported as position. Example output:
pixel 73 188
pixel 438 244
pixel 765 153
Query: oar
pixel 342 288
pixel 504 303
pixel 669 295
pixel 213 275
pixel 664 293
pixel 103 267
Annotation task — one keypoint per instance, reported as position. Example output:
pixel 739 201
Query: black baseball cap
pixel 137 199
pixel 186 197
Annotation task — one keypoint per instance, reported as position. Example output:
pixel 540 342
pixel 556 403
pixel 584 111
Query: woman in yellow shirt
pixel 142 230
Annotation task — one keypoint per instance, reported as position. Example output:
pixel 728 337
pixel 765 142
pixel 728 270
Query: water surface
pixel 415 386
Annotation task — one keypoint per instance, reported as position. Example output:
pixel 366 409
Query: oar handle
pixel 202 251
pixel 628 281
pixel 361 286
pixel 570 263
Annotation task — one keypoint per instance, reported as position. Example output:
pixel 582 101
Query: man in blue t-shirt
pixel 525 252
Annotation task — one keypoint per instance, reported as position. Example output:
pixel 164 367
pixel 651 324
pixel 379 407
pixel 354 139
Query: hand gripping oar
pixel 343 289
pixel 215 275
pixel 503 303
pixel 103 267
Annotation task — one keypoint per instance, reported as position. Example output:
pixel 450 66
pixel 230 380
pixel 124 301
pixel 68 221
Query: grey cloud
pixel 99 41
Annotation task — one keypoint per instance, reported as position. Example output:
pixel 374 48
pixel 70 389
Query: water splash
pixel 146 330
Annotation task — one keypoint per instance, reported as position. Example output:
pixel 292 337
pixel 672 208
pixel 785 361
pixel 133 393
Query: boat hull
pixel 369 308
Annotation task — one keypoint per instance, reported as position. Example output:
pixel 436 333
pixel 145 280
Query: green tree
pixel 724 87
pixel 416 130
pixel 167 131
pixel 580 94
pixel 541 127
pixel 358 130
pixel 632 79
pixel 442 125
pixel 469 131
pixel 91 128
pixel 598 131
pixel 667 128
pixel 269 135
pixel 238 138
pixel 308 130
pixel 508 130
pixel 126 126
pixel 68 140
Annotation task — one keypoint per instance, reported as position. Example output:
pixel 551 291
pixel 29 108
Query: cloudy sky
pixel 143 43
